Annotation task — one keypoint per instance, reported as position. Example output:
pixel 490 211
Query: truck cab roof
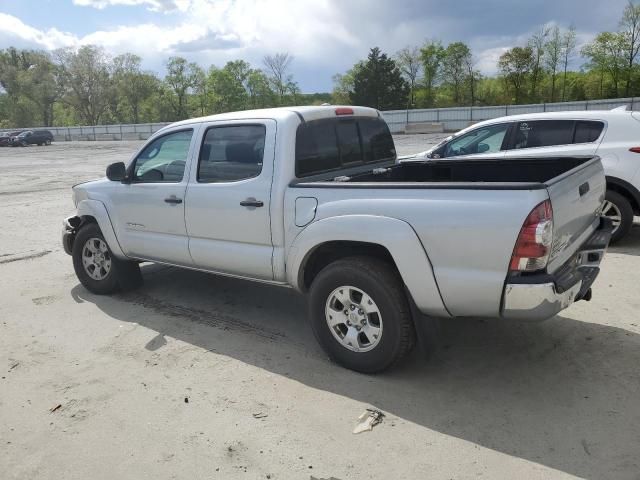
pixel 283 114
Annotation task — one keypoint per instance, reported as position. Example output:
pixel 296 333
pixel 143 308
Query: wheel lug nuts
pixel 352 307
pixel 360 311
pixel 363 322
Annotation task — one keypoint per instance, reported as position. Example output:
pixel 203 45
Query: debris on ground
pixel 260 415
pixel 369 419
pixel 55 408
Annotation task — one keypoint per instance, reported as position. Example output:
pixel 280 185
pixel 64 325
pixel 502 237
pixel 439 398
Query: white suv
pixel 613 135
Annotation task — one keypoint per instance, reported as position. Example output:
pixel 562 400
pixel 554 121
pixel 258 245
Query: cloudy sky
pixel 325 36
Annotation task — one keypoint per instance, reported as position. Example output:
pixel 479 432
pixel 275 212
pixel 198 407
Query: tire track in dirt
pixel 205 317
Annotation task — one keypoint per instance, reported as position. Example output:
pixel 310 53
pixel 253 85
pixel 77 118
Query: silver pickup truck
pixel 311 198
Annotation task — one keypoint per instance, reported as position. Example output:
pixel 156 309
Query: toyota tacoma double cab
pixel 312 198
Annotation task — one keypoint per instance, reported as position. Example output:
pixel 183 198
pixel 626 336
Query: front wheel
pixel 360 314
pixel 96 267
pixel 619 210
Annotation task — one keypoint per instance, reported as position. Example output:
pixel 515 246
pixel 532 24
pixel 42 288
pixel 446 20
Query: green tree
pixel 537 44
pixel 180 80
pixel 278 67
pixel 457 57
pixel 408 61
pixel 606 54
pixel 31 82
pixel 553 49
pixel 630 38
pixel 260 93
pixel 378 83
pixel 132 85
pixel 568 48
pixel 516 65
pixel 86 82
pixel 432 54
pixel 343 85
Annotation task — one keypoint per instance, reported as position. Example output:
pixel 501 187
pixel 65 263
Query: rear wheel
pixel 360 314
pixel 47 142
pixel 619 210
pixel 96 267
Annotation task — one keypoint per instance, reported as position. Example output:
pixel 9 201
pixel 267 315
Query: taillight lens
pixel 533 246
pixel 635 149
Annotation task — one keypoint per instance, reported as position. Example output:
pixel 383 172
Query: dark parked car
pixel 5 139
pixel 32 137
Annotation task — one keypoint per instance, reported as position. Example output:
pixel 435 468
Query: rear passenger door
pixel 554 137
pixel 227 208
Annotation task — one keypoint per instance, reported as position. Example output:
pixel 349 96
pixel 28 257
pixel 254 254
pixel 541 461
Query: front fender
pixel 97 210
pixel 397 236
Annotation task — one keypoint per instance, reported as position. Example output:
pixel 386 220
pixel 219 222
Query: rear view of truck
pixel 559 248
pixel 510 238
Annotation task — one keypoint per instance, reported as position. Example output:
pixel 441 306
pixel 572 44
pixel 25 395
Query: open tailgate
pixel 576 198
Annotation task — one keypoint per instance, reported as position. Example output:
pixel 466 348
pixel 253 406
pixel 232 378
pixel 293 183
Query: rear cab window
pixel 333 143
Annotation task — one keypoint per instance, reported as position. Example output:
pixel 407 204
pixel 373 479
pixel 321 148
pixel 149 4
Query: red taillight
pixel 533 246
pixel 344 111
pixel 635 149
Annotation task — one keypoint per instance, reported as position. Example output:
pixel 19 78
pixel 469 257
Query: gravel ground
pixel 196 376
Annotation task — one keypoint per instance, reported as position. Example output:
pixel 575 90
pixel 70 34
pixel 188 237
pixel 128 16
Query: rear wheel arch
pixel 627 190
pixel 329 252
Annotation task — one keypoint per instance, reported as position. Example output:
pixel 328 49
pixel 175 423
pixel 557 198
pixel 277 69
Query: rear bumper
pixel 541 296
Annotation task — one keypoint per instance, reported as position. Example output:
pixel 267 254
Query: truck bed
pixel 527 171
pixel 467 213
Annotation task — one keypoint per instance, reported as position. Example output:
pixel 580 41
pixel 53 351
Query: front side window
pixel 231 153
pixel 164 159
pixel 543 133
pixel 486 139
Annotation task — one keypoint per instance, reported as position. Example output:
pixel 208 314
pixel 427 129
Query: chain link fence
pixel 452 119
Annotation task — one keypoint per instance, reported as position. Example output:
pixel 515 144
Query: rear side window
pixel 543 133
pixel 330 144
pixel 587 131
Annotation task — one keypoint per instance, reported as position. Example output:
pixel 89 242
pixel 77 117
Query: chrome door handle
pixel 173 200
pixel 251 202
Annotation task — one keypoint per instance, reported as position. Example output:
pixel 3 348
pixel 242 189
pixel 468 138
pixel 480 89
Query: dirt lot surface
pixel 196 376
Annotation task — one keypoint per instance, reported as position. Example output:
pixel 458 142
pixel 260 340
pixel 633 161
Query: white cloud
pixel 14 29
pixel 155 5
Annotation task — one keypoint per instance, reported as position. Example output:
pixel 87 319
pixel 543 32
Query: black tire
pixel 122 275
pixel 626 214
pixel 382 283
pixel 47 142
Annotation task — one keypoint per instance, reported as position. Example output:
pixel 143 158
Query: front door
pixel 148 212
pixel 229 198
pixel 487 141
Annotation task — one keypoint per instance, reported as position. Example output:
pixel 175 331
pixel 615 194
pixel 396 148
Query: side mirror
pixel 116 172
pixel 483 147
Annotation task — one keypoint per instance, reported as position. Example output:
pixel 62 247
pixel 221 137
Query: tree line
pixel 87 86
pixel 437 75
